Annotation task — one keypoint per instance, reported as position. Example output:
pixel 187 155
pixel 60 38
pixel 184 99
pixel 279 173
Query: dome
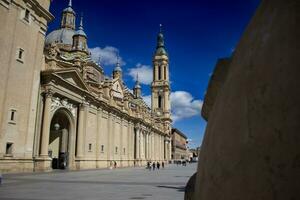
pixel 118 68
pixel 63 36
pixel 69 9
pixel 80 32
pixel 137 85
pixel 161 51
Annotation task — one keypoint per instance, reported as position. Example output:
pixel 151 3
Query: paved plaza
pixel 102 184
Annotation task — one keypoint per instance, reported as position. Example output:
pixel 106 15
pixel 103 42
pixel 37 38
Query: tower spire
pixel 68 17
pixel 81 22
pixel 160 48
pixel 118 65
pixel 80 30
pixel 137 90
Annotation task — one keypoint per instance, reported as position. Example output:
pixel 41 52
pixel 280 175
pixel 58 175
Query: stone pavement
pixel 102 184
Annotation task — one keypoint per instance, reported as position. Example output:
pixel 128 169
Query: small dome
pixel 69 9
pixel 137 85
pixel 63 36
pixel 161 51
pixel 80 32
pixel 118 68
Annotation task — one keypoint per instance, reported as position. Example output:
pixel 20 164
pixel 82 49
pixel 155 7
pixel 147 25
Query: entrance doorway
pixel 59 140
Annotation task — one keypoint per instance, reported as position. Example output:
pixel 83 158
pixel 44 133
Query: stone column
pixel 46 125
pixel 167 72
pixel 162 147
pixel 112 137
pixel 137 145
pixel 128 141
pixel 147 144
pixel 64 141
pixel 150 146
pixel 153 147
pixel 166 149
pixel 121 140
pixel 131 143
pixel 156 72
pixel 81 129
pixel 166 96
pixel 162 72
pixel 109 127
pixel 98 136
pixel 142 145
pixel 170 149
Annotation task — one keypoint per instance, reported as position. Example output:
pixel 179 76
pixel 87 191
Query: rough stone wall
pixel 251 149
pixel 215 85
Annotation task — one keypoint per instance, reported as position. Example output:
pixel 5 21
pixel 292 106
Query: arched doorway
pixel 59 145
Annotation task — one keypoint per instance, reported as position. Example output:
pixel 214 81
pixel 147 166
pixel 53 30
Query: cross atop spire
pixel 160 47
pixel 118 65
pixel 137 82
pixel 99 60
pixel 81 22
pixel 80 30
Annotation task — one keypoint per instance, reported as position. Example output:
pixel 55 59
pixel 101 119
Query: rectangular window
pixel 159 72
pixel 90 147
pixel 12 116
pixel 20 55
pixel 116 150
pixel 159 101
pixel 9 148
pixel 102 148
pixel 27 15
pixel 124 151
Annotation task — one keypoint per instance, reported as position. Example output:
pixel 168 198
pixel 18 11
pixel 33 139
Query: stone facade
pixel 59 109
pixel 179 148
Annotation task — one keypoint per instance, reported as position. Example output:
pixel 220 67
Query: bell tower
pixel 68 17
pixel 160 87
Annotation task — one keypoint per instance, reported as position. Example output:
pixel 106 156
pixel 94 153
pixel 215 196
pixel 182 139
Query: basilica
pixel 58 110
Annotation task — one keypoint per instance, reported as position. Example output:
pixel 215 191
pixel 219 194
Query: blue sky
pixel 197 33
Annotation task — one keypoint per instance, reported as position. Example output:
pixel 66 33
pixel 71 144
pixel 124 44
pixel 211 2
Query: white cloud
pixel 108 55
pixel 144 71
pixel 184 105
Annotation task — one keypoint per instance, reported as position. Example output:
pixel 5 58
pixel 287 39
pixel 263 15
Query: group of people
pixel 155 165
pixel 181 162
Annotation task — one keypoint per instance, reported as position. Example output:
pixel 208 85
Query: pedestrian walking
pixel 148 165
pixel 115 164
pixel 157 165
pixel 163 165
pixel 153 166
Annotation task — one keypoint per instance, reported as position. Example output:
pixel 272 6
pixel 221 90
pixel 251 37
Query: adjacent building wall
pixel 22 41
pixel 251 146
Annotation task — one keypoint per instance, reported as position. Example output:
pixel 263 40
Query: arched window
pixel 159 72
pixel 165 73
pixel 159 101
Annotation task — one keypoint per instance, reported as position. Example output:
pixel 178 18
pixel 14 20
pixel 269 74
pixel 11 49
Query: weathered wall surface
pixel 251 149
pixel 215 85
